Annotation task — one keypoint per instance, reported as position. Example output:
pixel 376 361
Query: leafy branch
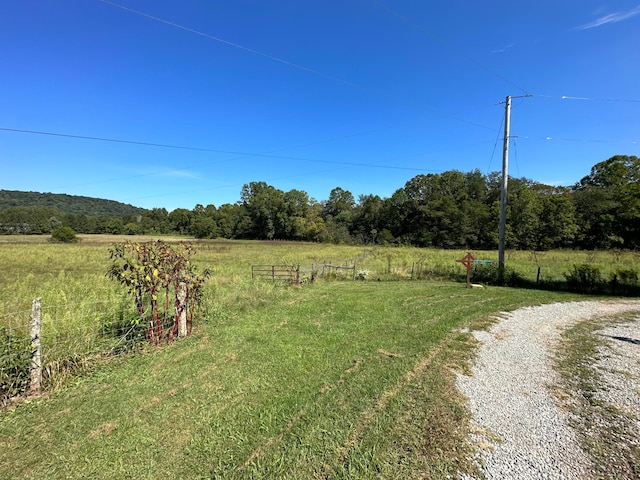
pixel 149 270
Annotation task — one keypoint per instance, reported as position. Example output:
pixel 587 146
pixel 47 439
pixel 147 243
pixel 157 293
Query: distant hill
pixel 73 204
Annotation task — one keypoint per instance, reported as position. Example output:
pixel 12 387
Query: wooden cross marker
pixel 467 261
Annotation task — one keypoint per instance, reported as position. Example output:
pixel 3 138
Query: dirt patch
pixel 105 429
pixel 386 353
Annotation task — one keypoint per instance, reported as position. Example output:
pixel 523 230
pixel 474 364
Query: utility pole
pixel 505 182
pixel 503 192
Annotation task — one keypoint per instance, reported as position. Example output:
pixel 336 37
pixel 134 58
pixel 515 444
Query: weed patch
pixel 14 364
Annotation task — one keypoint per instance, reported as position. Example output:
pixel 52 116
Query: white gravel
pixel 521 432
pixel 619 363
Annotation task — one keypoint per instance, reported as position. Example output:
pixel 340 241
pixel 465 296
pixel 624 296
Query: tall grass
pixel 85 314
pixel 72 277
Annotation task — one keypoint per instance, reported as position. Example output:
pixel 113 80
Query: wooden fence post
pixel 181 309
pixel 35 325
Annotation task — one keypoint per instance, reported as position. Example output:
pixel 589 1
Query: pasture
pixel 336 379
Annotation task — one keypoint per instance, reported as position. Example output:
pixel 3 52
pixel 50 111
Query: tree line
pixel 447 210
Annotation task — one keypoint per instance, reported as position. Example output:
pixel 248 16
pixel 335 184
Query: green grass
pixel 80 304
pixel 333 380
pixel 607 434
pixel 329 380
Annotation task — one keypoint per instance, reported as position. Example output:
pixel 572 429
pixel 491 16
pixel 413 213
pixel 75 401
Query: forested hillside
pixel 447 210
pixel 67 203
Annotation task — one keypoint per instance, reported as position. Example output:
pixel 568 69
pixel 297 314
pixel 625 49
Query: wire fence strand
pixel 73 336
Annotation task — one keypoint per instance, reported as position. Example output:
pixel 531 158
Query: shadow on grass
pixel 624 339
pixel 577 281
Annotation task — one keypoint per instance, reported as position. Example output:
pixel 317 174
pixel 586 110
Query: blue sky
pixel 204 96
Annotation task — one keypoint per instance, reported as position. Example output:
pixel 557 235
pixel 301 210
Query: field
pixel 335 379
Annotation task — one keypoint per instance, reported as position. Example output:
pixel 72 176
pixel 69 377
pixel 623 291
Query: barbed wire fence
pixel 42 347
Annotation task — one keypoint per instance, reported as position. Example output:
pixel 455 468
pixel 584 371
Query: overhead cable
pixel 295 65
pixel 455 50
pixel 590 99
pixel 248 154
pixel 495 145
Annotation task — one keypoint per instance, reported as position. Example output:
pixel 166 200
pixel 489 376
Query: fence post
pixel 35 324
pixel 181 309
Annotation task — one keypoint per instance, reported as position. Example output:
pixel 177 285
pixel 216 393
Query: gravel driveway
pixel 520 431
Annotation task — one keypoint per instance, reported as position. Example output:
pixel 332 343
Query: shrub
pixel 490 275
pixel 627 277
pixel 131 229
pixel 150 269
pixel 625 282
pixel 584 278
pixel 63 234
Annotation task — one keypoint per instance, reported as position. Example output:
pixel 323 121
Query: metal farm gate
pixel 285 273
pixel 294 274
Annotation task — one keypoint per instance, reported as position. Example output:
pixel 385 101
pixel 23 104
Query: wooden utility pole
pixel 505 182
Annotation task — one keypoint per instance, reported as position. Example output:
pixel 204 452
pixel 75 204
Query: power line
pixel 294 65
pixel 583 140
pixel 262 155
pixel 619 100
pixel 266 180
pixel 161 145
pixel 436 39
pixel 232 44
pixel 200 149
pixel 589 99
pixel 114 140
pixel 495 145
pixel 515 154
pixel 305 174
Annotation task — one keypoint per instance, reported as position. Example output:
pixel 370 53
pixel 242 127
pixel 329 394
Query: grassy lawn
pixel 331 380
